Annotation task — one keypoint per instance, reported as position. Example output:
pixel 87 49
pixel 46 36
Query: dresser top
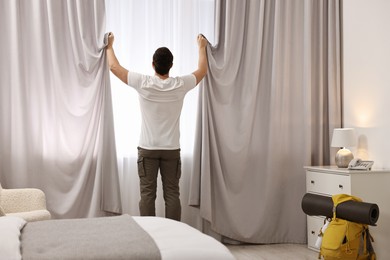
pixel 335 169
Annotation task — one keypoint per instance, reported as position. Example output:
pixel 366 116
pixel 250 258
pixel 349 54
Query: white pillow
pixel 10 237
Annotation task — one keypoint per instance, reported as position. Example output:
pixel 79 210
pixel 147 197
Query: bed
pixel 117 237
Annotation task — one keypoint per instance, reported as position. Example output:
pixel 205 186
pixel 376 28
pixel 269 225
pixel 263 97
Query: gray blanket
pixel 118 237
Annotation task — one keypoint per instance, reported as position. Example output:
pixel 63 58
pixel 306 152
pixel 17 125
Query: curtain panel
pixel 56 121
pixel 267 107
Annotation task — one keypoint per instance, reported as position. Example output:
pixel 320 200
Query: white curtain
pixel 56 121
pixel 140 27
pixel 268 103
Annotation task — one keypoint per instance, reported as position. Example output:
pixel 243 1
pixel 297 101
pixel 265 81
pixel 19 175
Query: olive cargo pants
pixel 169 163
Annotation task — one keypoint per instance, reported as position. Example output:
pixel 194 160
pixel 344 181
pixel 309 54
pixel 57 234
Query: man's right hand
pixel 202 41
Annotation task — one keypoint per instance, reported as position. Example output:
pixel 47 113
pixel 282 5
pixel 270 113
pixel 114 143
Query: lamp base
pixel 343 157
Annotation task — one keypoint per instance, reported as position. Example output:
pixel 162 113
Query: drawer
pixel 314 225
pixel 327 183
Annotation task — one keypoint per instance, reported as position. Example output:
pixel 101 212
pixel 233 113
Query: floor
pixel 272 252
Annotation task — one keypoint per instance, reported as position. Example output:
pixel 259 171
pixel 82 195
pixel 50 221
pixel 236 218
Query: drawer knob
pixel 341 186
pixel 313 233
pixel 312 182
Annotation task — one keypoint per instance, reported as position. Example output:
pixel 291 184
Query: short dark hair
pixel 162 60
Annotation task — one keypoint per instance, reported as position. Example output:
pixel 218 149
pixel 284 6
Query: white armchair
pixel 29 204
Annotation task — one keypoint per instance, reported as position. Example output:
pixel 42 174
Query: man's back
pixel 161 102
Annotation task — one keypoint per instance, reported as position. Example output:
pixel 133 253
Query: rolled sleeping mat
pixel 354 211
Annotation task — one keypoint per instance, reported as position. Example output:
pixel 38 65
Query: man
pixel 161 100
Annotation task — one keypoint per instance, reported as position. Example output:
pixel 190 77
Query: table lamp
pixel 343 137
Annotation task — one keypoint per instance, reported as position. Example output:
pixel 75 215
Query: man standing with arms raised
pixel 161 101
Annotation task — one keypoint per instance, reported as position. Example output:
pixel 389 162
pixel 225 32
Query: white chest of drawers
pixel 371 186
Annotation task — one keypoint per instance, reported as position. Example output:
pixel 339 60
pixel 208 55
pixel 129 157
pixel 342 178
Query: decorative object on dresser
pixel 342 138
pixel 371 186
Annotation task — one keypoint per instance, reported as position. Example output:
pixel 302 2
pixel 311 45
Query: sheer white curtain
pixel 140 27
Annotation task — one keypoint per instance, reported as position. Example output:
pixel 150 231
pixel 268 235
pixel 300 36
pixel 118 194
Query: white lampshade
pixel 343 137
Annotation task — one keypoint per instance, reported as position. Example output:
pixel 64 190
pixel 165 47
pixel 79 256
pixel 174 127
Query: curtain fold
pixel 266 109
pixel 56 130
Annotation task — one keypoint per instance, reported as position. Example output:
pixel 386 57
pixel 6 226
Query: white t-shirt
pixel 161 102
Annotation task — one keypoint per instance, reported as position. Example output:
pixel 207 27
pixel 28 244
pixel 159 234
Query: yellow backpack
pixel 344 239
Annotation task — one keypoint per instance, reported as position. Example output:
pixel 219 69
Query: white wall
pixel 366 48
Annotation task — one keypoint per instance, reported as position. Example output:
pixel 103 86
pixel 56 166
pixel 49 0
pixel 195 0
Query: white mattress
pixel 177 240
